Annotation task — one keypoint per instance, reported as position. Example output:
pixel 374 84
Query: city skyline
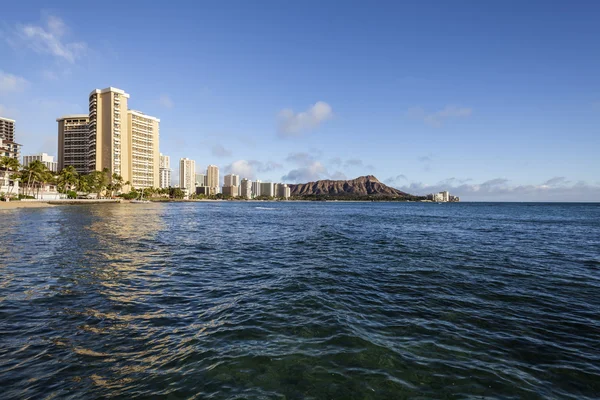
pixel 510 124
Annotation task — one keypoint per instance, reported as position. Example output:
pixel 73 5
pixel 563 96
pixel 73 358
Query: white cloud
pixel 12 83
pixel 437 118
pixel 312 172
pixel 294 124
pixel 49 39
pixel 166 101
pixel 250 168
pixel 501 189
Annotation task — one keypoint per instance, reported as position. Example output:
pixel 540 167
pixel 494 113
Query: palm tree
pixel 8 164
pixel 116 184
pixel 67 179
pixel 36 171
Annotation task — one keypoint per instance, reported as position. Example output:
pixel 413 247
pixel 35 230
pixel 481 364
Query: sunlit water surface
pixel 301 300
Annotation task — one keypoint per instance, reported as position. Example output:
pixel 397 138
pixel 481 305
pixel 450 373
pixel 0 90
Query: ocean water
pixel 294 300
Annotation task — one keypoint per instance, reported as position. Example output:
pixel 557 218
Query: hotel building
pixel 267 189
pixel 187 175
pixel 143 138
pixel 8 146
pixel 44 158
pixel 212 179
pixel 164 171
pixel 256 188
pixel 246 189
pixel 73 135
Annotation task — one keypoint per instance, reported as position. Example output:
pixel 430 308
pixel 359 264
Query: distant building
pixel 212 178
pixel 7 129
pixel 246 189
pixel 44 158
pixel 164 171
pixel 203 190
pixel 187 174
pixel 8 146
pixel 73 147
pixel 267 189
pixel 282 191
pixel 200 180
pixel 231 180
pixel 256 188
pixel 9 149
pixel 230 191
pixel 442 197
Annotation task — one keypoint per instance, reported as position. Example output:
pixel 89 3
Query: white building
pixel 256 188
pixel 187 175
pixel 231 180
pixel 44 158
pixel 246 189
pixel 282 191
pixel 212 179
pixel 267 189
pixel 164 171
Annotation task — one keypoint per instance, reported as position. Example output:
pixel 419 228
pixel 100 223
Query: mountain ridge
pixel 367 185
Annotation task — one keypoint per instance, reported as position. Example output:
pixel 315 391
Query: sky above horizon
pixel 491 101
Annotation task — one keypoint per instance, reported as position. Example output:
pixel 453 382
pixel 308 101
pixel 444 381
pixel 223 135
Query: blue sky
pixel 490 101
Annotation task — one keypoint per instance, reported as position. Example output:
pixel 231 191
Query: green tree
pixel 67 179
pixel 8 164
pixel 34 175
pixel 116 184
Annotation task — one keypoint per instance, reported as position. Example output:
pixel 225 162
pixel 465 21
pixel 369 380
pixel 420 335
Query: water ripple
pixel 301 300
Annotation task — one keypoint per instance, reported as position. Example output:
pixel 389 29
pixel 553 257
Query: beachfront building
pixel 44 158
pixel 267 189
pixel 73 148
pixel 109 143
pixel 442 197
pixel 7 129
pixel 230 191
pixel 212 179
pixel 145 159
pixel 200 180
pixel 8 146
pixel 256 188
pixel 246 188
pixel 187 175
pixel 282 191
pixel 164 171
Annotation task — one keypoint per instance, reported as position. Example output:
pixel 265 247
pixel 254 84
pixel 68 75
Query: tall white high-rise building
pixel 256 188
pixel 143 133
pixel 212 179
pixel 246 189
pixel 164 171
pixel 187 175
pixel 44 158
pixel 267 189
pixel 231 180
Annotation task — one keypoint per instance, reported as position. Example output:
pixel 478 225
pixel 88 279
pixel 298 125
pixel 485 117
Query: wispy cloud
pixel 251 168
pixel 48 38
pixel 353 162
pixel 436 119
pixel 502 189
pixel 166 101
pixel 291 123
pixel 315 170
pixel 219 150
pixel 12 83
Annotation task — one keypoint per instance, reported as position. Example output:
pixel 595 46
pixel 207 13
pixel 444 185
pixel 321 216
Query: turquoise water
pixel 301 300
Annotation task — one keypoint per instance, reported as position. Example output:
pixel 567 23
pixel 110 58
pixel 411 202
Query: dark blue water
pixel 301 300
